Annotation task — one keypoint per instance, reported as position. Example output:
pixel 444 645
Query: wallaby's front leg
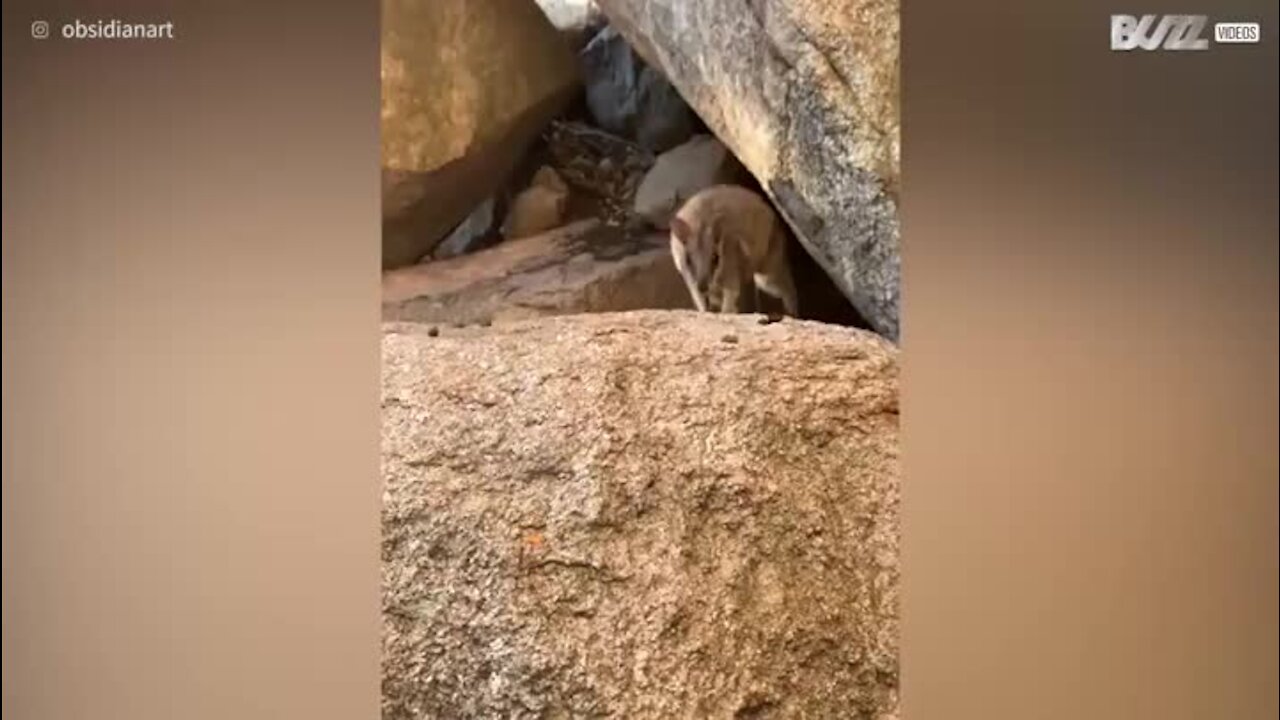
pixel 677 253
pixel 699 302
pixel 734 280
pixel 729 299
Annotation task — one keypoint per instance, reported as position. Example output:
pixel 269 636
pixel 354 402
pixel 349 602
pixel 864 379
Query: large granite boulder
pixel 805 93
pixel 647 515
pixel 466 87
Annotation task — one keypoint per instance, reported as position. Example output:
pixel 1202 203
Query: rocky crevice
pixel 624 153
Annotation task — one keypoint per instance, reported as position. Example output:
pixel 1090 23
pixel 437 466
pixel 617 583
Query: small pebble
pixel 433 331
pixel 731 339
pixel 769 319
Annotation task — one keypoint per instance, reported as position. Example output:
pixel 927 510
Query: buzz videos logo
pixel 1176 32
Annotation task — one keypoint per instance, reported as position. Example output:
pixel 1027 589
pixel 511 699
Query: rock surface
pixel 640 515
pixel 629 98
pixel 680 173
pixel 805 93
pixel 466 87
pixel 580 268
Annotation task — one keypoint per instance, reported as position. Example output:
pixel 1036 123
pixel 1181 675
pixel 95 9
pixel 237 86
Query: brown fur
pixel 725 239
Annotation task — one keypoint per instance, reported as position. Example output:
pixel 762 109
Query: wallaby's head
pixel 696 251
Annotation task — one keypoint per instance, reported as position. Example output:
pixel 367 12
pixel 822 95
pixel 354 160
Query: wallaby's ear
pixel 680 229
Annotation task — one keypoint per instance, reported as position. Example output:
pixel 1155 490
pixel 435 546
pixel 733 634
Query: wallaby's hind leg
pixel 780 285
pixel 775 277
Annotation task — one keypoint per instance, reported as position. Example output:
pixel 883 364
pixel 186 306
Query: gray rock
pixel 625 516
pixel 475 232
pixel 582 267
pixel 805 94
pixel 680 173
pixel 630 99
